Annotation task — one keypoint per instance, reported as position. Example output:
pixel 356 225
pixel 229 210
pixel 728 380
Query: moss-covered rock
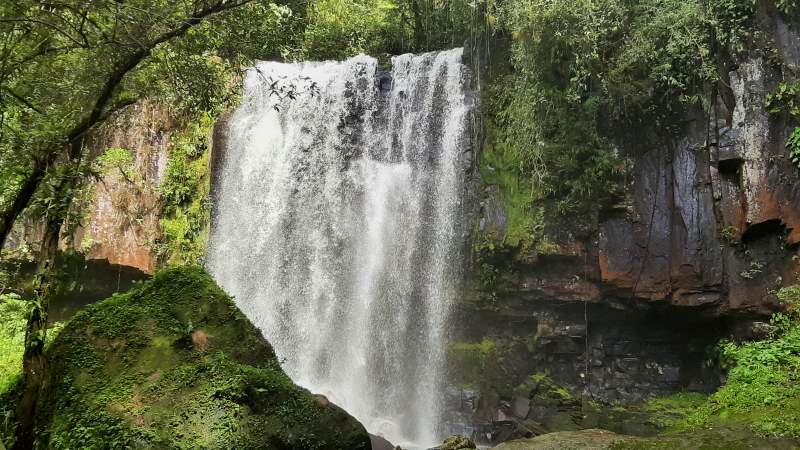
pixel 598 439
pixel 584 439
pixel 457 443
pixel 174 364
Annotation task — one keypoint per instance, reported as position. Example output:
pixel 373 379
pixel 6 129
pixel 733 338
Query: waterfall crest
pixel 338 227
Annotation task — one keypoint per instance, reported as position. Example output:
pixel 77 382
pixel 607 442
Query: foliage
pixel 116 159
pixel 787 7
pixel 787 98
pixel 762 389
pixel 793 147
pixel 13 318
pixel 337 29
pixel 500 168
pixel 184 191
pixel 790 297
pixel 13 311
pixel 554 146
pixel 585 69
pixel 545 389
pixel 173 363
pixel 108 55
pixel 12 261
pixel 729 235
pixel 669 411
pixel 633 61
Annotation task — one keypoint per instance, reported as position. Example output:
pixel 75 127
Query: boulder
pixel 598 439
pixel 173 363
pixel 380 443
pixel 457 443
pixel 594 439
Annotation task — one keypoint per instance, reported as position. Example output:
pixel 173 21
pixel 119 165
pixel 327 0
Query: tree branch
pixel 22 100
pixel 42 22
pixel 74 137
pixel 116 77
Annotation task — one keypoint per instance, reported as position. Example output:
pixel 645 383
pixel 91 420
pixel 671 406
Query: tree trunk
pixel 33 361
pixel 34 364
pixel 22 198
pixel 418 29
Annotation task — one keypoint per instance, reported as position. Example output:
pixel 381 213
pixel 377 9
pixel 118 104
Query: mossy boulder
pixel 599 439
pixel 457 443
pixel 174 364
pixel 595 439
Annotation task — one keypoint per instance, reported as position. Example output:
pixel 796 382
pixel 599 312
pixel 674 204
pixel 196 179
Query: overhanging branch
pixel 99 111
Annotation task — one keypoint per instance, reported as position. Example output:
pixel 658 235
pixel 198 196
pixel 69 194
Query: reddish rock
pixel 123 223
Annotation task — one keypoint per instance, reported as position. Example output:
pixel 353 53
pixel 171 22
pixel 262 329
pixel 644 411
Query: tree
pixel 65 67
pixel 68 65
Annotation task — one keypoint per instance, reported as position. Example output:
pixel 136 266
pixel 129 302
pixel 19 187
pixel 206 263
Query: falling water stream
pixel 338 228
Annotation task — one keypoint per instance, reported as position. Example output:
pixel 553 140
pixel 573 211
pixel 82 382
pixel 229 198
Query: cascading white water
pixel 338 228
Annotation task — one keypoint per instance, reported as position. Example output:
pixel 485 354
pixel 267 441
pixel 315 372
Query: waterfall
pixel 338 228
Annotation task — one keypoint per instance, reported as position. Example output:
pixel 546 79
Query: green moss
pixel 174 364
pixel 721 438
pixel 457 443
pixel 481 364
pixel 666 412
pixel 523 203
pixel 546 388
pixel 474 355
pixel 500 168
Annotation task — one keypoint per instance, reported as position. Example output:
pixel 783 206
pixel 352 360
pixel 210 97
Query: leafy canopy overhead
pixel 66 66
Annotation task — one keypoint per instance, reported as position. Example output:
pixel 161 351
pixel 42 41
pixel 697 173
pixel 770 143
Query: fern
pixel 793 146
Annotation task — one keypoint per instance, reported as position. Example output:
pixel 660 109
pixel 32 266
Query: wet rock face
pixel 630 302
pixel 599 353
pixel 123 218
pixel 711 219
pixel 703 204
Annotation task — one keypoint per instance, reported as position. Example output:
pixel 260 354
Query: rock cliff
pixel 122 218
pixel 628 301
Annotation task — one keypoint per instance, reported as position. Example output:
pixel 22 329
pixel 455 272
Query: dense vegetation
pixel 563 82
pixel 12 336
pixel 762 390
pixel 585 74
pixel 185 195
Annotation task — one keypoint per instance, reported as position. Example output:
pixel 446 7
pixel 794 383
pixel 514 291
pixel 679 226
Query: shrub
pixel 762 389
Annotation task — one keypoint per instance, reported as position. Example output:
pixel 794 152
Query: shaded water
pixel 338 227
